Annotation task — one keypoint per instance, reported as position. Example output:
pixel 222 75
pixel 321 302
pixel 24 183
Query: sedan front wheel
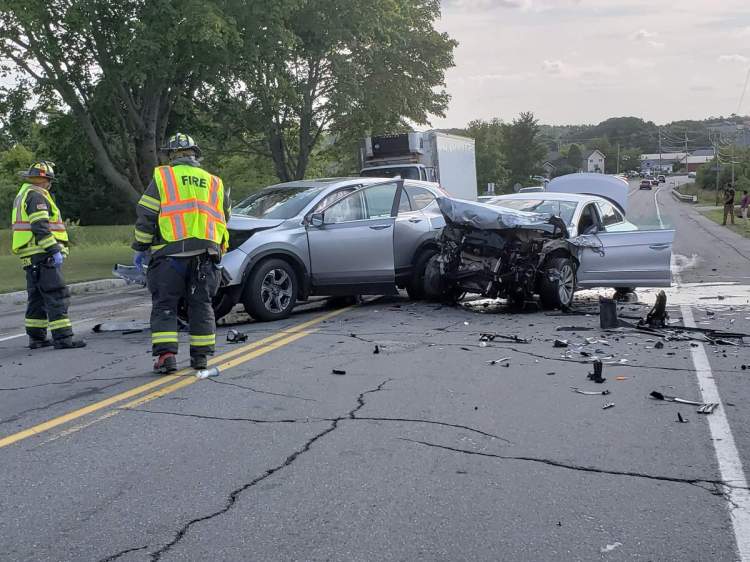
pixel 558 284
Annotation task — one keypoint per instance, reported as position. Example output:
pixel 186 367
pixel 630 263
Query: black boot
pixel 198 362
pixel 36 344
pixel 68 343
pixel 166 363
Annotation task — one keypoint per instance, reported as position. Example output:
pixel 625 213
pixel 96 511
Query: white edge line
pixel 658 212
pixel 727 455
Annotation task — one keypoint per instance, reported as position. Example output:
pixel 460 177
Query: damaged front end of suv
pixel 502 253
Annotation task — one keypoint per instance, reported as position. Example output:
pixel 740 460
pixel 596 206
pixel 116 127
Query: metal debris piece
pixel 658 316
pixel 235 336
pixel 491 337
pixel 560 343
pixel 659 396
pixel 659 345
pixel 680 419
pixel 338 372
pixel 596 376
pixel 496 361
pixel 590 392
pixel 608 405
pixel 376 350
pixel 708 408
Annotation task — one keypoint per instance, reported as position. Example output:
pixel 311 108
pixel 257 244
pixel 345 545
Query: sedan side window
pixel 404 206
pixel 610 215
pixel 589 221
pixel 349 208
pixel 419 196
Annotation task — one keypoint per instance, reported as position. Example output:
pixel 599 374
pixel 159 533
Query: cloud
pixel 555 67
pixel 634 62
pixel 566 70
pixel 657 44
pixel 643 34
pixel 733 58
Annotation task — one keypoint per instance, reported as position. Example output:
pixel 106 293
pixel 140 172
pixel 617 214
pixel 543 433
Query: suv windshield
pixel 276 202
pixel 406 172
pixel 562 209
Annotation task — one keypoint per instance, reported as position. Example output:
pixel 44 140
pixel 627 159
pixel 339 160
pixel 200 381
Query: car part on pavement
pixel 376 350
pixel 590 392
pixel 235 336
pixel 129 327
pixel 492 336
pixel 608 314
pixel 608 405
pixel 338 372
pixel 560 343
pixel 496 361
pixel 703 408
pixel 596 376
pixel 658 316
pixel 680 419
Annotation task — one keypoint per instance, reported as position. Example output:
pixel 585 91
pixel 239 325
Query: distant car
pixel 661 179
pixel 645 184
pixel 691 175
pixel 655 182
pixel 329 237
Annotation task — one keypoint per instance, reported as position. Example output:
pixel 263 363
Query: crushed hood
pixel 479 215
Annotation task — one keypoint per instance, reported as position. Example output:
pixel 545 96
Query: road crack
pixel 253 389
pixel 702 483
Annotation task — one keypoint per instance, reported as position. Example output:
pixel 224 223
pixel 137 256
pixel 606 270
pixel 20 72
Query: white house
pixel 594 162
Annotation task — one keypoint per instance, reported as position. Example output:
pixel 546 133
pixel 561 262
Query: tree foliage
pixel 523 150
pixel 575 156
pixel 490 153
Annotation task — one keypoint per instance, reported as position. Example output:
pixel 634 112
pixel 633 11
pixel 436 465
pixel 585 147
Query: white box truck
pixel 430 156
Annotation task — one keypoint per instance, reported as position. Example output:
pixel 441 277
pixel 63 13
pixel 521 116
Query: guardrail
pixel 686 198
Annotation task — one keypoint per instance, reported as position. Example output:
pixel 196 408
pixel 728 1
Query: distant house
pixel 661 163
pixel 594 162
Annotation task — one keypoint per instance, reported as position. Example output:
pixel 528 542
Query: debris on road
pixel 486 337
pixel 131 327
pixel 610 547
pixel 590 392
pixel 608 314
pixel 206 373
pixel 680 419
pixel 659 345
pixel 560 343
pixel 658 316
pixel 707 408
pixel 376 350
pixel 703 408
pixel 596 376
pixel 338 372
pixel 608 405
pixel 621 378
pixel 235 336
pixel 130 274
pixel 496 361
pixel 574 328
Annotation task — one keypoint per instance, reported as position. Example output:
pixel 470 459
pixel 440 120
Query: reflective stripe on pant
pixel 48 300
pixel 193 280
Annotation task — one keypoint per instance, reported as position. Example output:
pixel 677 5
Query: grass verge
pixel 705 196
pixel 741 227
pixel 86 263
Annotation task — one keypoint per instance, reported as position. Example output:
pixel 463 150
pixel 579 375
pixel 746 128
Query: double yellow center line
pixel 180 379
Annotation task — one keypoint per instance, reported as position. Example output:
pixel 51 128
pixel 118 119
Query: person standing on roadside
pixel 745 207
pixel 181 229
pixel 41 241
pixel 728 203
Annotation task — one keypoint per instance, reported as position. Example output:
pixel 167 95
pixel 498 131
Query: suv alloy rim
pixel 276 290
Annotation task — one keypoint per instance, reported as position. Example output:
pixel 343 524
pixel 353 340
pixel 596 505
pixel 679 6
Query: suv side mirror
pixel 317 219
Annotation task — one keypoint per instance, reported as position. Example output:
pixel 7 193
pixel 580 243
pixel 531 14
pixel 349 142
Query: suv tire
pixel 558 293
pixel 271 291
pixel 416 286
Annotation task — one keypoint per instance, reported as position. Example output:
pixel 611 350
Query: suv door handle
pixel 415 220
pixel 659 246
pixel 380 226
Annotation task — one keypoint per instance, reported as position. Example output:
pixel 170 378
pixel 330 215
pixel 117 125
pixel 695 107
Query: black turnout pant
pixel 190 280
pixel 48 300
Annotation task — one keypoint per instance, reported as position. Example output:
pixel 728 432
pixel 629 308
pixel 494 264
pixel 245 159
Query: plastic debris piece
pixel 659 345
pixel 680 419
pixel 608 405
pixel 235 336
pixel 596 376
pixel 560 343
pixel 376 350
pixel 658 316
pixel 707 408
pixel 496 361
pixel 621 378
pixel 590 392
pixel 205 373
pixel 550 373
pixel 338 372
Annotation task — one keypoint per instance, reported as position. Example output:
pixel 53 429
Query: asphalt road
pixel 423 451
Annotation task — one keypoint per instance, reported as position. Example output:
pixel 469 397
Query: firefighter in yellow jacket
pixel 181 230
pixel 40 240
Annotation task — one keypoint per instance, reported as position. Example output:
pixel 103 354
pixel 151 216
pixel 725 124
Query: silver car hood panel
pixel 478 215
pixel 238 222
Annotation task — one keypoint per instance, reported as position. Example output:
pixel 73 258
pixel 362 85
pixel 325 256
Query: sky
pixel 583 61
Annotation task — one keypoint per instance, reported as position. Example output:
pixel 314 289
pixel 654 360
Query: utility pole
pixel 618 158
pixel 718 169
pixel 687 162
pixel 660 165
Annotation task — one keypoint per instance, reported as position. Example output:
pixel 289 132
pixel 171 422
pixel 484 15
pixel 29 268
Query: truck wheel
pixel 558 292
pixel 271 291
pixel 415 289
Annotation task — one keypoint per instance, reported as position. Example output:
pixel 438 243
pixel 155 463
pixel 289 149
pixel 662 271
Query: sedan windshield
pixel 277 202
pixel 562 209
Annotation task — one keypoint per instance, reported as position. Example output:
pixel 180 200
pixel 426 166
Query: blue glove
pixel 139 259
pixel 57 257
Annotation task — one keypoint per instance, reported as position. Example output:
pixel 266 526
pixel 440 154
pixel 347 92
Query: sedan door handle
pixel 659 246
pixel 380 226
pixel 415 220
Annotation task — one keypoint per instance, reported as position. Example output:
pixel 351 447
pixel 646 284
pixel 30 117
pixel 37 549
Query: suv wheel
pixel 558 283
pixel 416 289
pixel 271 291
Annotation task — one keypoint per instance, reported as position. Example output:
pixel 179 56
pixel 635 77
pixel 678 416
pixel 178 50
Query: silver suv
pixel 332 237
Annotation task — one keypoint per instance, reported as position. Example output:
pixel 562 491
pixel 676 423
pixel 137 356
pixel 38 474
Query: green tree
pixel 523 150
pixel 631 159
pixel 122 68
pixel 340 66
pixel 575 156
pixel 490 158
